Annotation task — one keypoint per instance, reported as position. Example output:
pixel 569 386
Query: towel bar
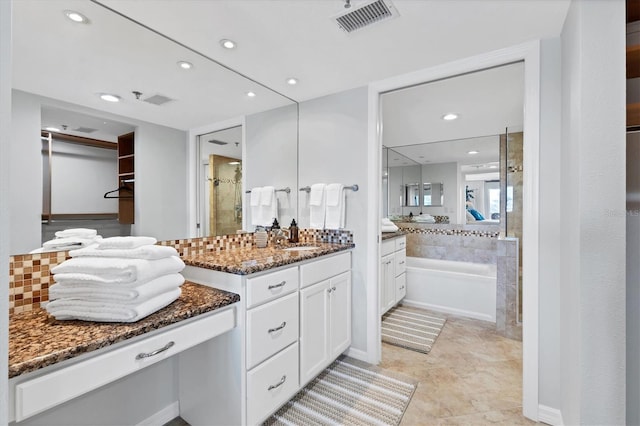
pixel 353 187
pixel 287 190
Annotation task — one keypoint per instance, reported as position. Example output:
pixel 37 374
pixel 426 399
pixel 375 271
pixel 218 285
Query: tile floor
pixel 472 376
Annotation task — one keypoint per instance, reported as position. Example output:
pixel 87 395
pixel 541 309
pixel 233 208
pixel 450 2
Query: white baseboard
pixel 357 354
pixel 447 310
pixel 550 416
pixel 168 413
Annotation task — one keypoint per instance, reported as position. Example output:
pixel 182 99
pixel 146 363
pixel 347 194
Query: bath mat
pixel 411 328
pixel 349 392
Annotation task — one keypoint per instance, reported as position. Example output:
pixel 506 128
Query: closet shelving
pixel 633 61
pixel 126 178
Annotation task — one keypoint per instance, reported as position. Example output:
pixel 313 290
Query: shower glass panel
pixel 225 195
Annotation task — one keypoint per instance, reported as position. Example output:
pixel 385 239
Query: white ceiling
pixel 276 39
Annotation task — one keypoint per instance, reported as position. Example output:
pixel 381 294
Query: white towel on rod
pixel 268 206
pixel 256 208
pixel 152 252
pixel 106 270
pixel 114 293
pixel 317 206
pixel 255 196
pixel 125 242
pixel 70 309
pixel 336 203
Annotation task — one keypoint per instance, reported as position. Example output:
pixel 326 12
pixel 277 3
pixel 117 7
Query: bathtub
pixel 460 288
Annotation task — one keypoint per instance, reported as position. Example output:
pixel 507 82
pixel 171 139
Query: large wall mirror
pixel 457 140
pixel 60 69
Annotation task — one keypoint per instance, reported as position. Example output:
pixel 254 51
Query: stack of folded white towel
pixel 120 279
pixel 70 239
pixel 388 225
pixel 264 206
pixel 424 218
pixel 327 206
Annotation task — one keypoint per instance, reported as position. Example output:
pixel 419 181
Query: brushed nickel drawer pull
pixel 280 383
pixel 272 286
pixel 280 327
pixel 402 263
pixel 143 355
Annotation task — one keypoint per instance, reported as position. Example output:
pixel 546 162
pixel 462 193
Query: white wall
pixel 593 241
pixel 80 175
pixel 447 173
pixel 161 178
pixel 5 196
pixel 272 158
pixel 333 149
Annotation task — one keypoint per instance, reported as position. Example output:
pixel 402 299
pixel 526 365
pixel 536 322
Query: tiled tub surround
pixel 29 276
pixel 38 340
pixel 507 299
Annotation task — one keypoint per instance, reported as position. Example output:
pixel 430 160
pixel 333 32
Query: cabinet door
pixel 340 317
pixel 387 285
pixel 401 287
pixel 314 330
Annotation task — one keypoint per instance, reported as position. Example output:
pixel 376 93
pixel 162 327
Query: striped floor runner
pixel 348 392
pixel 411 328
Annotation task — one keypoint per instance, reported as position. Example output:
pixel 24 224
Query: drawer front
pixel 401 287
pixel 51 389
pixel 388 247
pixel 271 286
pixel 401 243
pixel 272 384
pixel 400 258
pixel 270 328
pixel 324 268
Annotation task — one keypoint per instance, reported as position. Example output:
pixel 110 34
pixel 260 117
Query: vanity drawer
pixel 272 384
pixel 320 270
pixel 271 286
pixel 400 243
pixel 270 328
pixel 388 247
pixel 400 259
pixel 35 395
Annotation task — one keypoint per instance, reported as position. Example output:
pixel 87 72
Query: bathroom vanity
pixel 393 265
pixel 294 319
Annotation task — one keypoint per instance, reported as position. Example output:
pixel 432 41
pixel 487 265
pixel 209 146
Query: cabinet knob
pixel 280 327
pixel 280 284
pixel 402 263
pixel 280 383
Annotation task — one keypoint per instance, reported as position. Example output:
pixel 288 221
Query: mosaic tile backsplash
pixel 29 277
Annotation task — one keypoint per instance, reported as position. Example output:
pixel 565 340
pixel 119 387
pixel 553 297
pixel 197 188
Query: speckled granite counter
pixel 37 340
pixel 243 261
pixel 389 235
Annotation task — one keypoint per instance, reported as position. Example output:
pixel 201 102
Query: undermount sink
pixel 301 248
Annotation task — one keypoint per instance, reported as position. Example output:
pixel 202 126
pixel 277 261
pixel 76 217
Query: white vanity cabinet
pixel 393 265
pixel 293 321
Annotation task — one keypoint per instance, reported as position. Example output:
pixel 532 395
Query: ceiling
pixel 56 58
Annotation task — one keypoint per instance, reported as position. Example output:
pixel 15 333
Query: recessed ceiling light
pixel 185 65
pixel 493 166
pixel 234 163
pixel 228 44
pixel 450 116
pixel 473 152
pixel 251 94
pixel 52 129
pixel 76 17
pixel 109 98
pixel 292 81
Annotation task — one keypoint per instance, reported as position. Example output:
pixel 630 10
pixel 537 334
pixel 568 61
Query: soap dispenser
pixel 293 232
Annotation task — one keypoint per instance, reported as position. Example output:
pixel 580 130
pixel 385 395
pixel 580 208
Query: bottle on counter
pixel 293 232
pixel 261 237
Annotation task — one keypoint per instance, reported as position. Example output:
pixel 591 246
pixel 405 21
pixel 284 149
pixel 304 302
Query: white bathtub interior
pixel 461 288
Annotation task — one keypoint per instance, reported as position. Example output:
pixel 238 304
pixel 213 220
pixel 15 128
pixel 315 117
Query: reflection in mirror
pixel 432 194
pixel 411 194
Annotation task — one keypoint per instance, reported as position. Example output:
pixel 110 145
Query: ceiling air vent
pixel 158 99
pixel 85 130
pixel 366 15
pixel 217 142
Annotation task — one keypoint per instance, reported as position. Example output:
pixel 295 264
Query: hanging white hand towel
pixel 125 242
pixel 269 205
pixel 256 195
pixel 70 309
pixel 336 201
pixel 152 252
pixel 317 206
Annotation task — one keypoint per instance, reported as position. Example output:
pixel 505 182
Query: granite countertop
pixel 37 339
pixel 243 261
pixel 389 235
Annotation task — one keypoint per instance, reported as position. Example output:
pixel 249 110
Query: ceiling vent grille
pixel 366 15
pixel 158 99
pixel 217 142
pixel 85 130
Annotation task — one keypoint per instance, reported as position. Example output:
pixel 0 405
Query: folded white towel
pixel 387 221
pixel 70 309
pixel 145 252
pixel 336 206
pixel 112 270
pixel 66 243
pixel 77 232
pixel 424 219
pixel 256 193
pixel 125 242
pixel 114 293
pixel 388 228
pixel 316 196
